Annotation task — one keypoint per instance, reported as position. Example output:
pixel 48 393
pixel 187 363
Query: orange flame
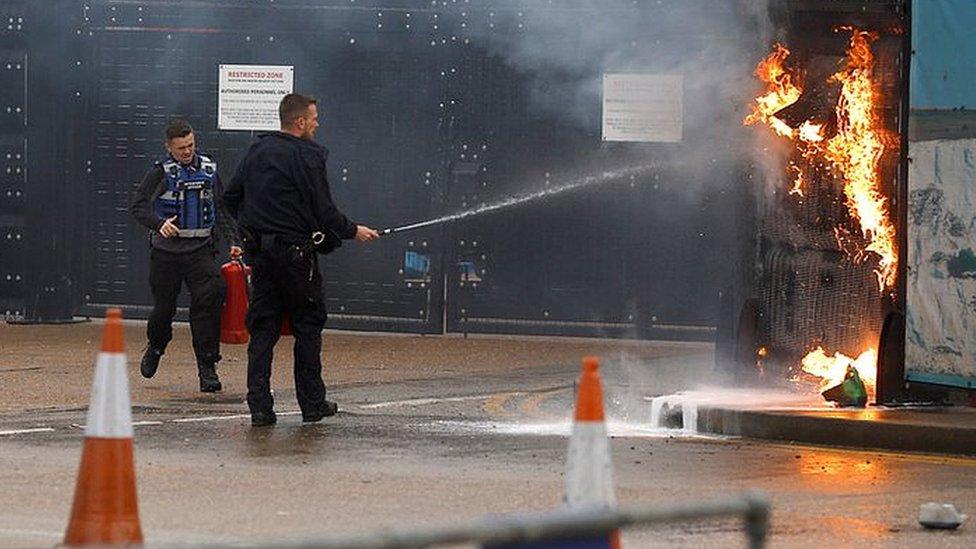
pixel 811 132
pixel 781 92
pixel 832 369
pixel 855 150
pixel 798 181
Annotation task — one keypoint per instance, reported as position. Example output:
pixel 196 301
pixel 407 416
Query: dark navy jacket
pixel 281 188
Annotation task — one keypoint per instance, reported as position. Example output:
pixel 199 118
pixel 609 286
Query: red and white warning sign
pixel 248 95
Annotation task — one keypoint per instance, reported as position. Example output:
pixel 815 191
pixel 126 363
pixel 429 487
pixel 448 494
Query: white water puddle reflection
pixel 561 429
pixel 664 416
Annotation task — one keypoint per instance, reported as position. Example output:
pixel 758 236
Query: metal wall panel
pixel 14 26
pixel 425 115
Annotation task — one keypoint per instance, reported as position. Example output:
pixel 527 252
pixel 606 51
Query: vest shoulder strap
pixel 170 168
pixel 207 164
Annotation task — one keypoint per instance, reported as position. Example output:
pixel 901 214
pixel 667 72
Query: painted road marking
pixel 531 405
pixel 144 423
pixel 423 401
pixel 235 416
pixel 39 533
pixel 23 431
pixel 495 405
pixel 210 418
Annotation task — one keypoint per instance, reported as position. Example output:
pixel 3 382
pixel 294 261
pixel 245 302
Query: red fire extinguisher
pixel 233 329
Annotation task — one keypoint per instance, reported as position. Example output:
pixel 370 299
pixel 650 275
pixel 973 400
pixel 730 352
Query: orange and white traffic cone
pixel 589 472
pixel 105 509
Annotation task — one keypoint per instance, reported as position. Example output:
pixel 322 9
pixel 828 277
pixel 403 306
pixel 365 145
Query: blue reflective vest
pixel 189 195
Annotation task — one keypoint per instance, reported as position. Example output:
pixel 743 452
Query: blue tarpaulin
pixel 941 289
pixel 944 63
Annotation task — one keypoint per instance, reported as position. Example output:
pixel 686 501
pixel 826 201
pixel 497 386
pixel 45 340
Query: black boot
pixel 260 419
pixel 328 408
pixel 150 361
pixel 209 382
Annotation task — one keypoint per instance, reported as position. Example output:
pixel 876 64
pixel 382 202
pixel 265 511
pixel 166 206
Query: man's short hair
pixel 178 128
pixel 293 106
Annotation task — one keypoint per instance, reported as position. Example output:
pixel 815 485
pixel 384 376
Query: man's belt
pixel 322 242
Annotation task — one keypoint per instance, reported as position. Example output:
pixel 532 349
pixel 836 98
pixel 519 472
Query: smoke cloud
pixel 565 52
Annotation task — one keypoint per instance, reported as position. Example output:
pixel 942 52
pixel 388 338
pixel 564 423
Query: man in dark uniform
pixel 177 200
pixel 281 199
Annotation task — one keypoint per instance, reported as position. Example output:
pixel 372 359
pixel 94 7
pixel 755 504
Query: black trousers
pixel 285 279
pixel 198 269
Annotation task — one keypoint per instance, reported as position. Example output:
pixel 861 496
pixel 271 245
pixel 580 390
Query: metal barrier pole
pixel 561 524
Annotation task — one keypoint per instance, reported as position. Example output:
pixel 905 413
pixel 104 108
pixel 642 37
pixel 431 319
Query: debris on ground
pixel 940 516
pixel 850 392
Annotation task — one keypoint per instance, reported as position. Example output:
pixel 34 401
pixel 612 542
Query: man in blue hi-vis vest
pixel 178 201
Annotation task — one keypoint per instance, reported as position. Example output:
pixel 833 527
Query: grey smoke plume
pixel 565 52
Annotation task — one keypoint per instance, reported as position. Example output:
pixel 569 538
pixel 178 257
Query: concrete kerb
pixel 836 430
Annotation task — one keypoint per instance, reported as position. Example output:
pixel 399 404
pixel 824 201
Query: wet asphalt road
pixel 411 450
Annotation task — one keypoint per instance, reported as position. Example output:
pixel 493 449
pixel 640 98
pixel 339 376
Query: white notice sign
pixel 249 95
pixel 642 107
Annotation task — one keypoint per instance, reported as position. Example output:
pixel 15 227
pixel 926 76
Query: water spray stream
pixel 605 177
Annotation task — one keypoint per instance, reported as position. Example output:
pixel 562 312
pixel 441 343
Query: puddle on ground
pixel 674 415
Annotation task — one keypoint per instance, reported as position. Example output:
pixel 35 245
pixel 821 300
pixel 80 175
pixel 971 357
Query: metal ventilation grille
pixel 811 298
